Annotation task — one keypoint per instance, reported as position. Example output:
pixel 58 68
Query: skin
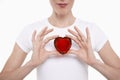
pixel 110 67
pixel 61 17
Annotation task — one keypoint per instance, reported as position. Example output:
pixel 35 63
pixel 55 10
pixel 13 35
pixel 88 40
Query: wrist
pixel 31 64
pixel 96 63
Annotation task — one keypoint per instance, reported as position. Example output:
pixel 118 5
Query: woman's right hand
pixel 40 54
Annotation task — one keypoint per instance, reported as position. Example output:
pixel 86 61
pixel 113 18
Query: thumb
pixel 54 52
pixel 72 51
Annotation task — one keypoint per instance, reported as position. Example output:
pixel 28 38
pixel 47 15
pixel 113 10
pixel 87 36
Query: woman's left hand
pixel 85 53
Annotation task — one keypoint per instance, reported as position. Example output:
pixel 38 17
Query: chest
pixel 62 33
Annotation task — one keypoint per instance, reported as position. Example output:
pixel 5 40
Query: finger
pixel 88 33
pixel 75 34
pixel 72 51
pixel 48 31
pixel 75 40
pixel 45 33
pixel 42 32
pixel 83 41
pixel 54 52
pixel 80 33
pixel 48 39
pixel 33 36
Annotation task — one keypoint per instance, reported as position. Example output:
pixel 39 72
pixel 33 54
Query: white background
pixel 15 14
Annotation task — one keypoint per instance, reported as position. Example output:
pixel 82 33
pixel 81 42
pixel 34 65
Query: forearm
pixel 109 72
pixel 18 74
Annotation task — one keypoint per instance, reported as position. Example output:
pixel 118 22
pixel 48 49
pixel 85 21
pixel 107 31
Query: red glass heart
pixel 62 44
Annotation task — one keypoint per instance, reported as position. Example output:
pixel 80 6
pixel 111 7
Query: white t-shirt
pixel 67 67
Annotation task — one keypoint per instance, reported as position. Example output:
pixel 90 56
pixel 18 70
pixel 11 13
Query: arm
pixel 13 69
pixel 13 66
pixel 109 57
pixel 110 67
pixel 109 72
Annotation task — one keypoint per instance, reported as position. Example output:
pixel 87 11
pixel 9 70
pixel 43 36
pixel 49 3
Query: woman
pixel 51 65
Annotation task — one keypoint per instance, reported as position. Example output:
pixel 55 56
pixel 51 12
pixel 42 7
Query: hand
pixel 85 53
pixel 40 54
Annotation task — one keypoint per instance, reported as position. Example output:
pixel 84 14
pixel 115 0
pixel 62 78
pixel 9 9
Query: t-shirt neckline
pixel 50 25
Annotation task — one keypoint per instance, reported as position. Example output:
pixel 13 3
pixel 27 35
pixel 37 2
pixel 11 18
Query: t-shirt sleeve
pixel 99 37
pixel 24 39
